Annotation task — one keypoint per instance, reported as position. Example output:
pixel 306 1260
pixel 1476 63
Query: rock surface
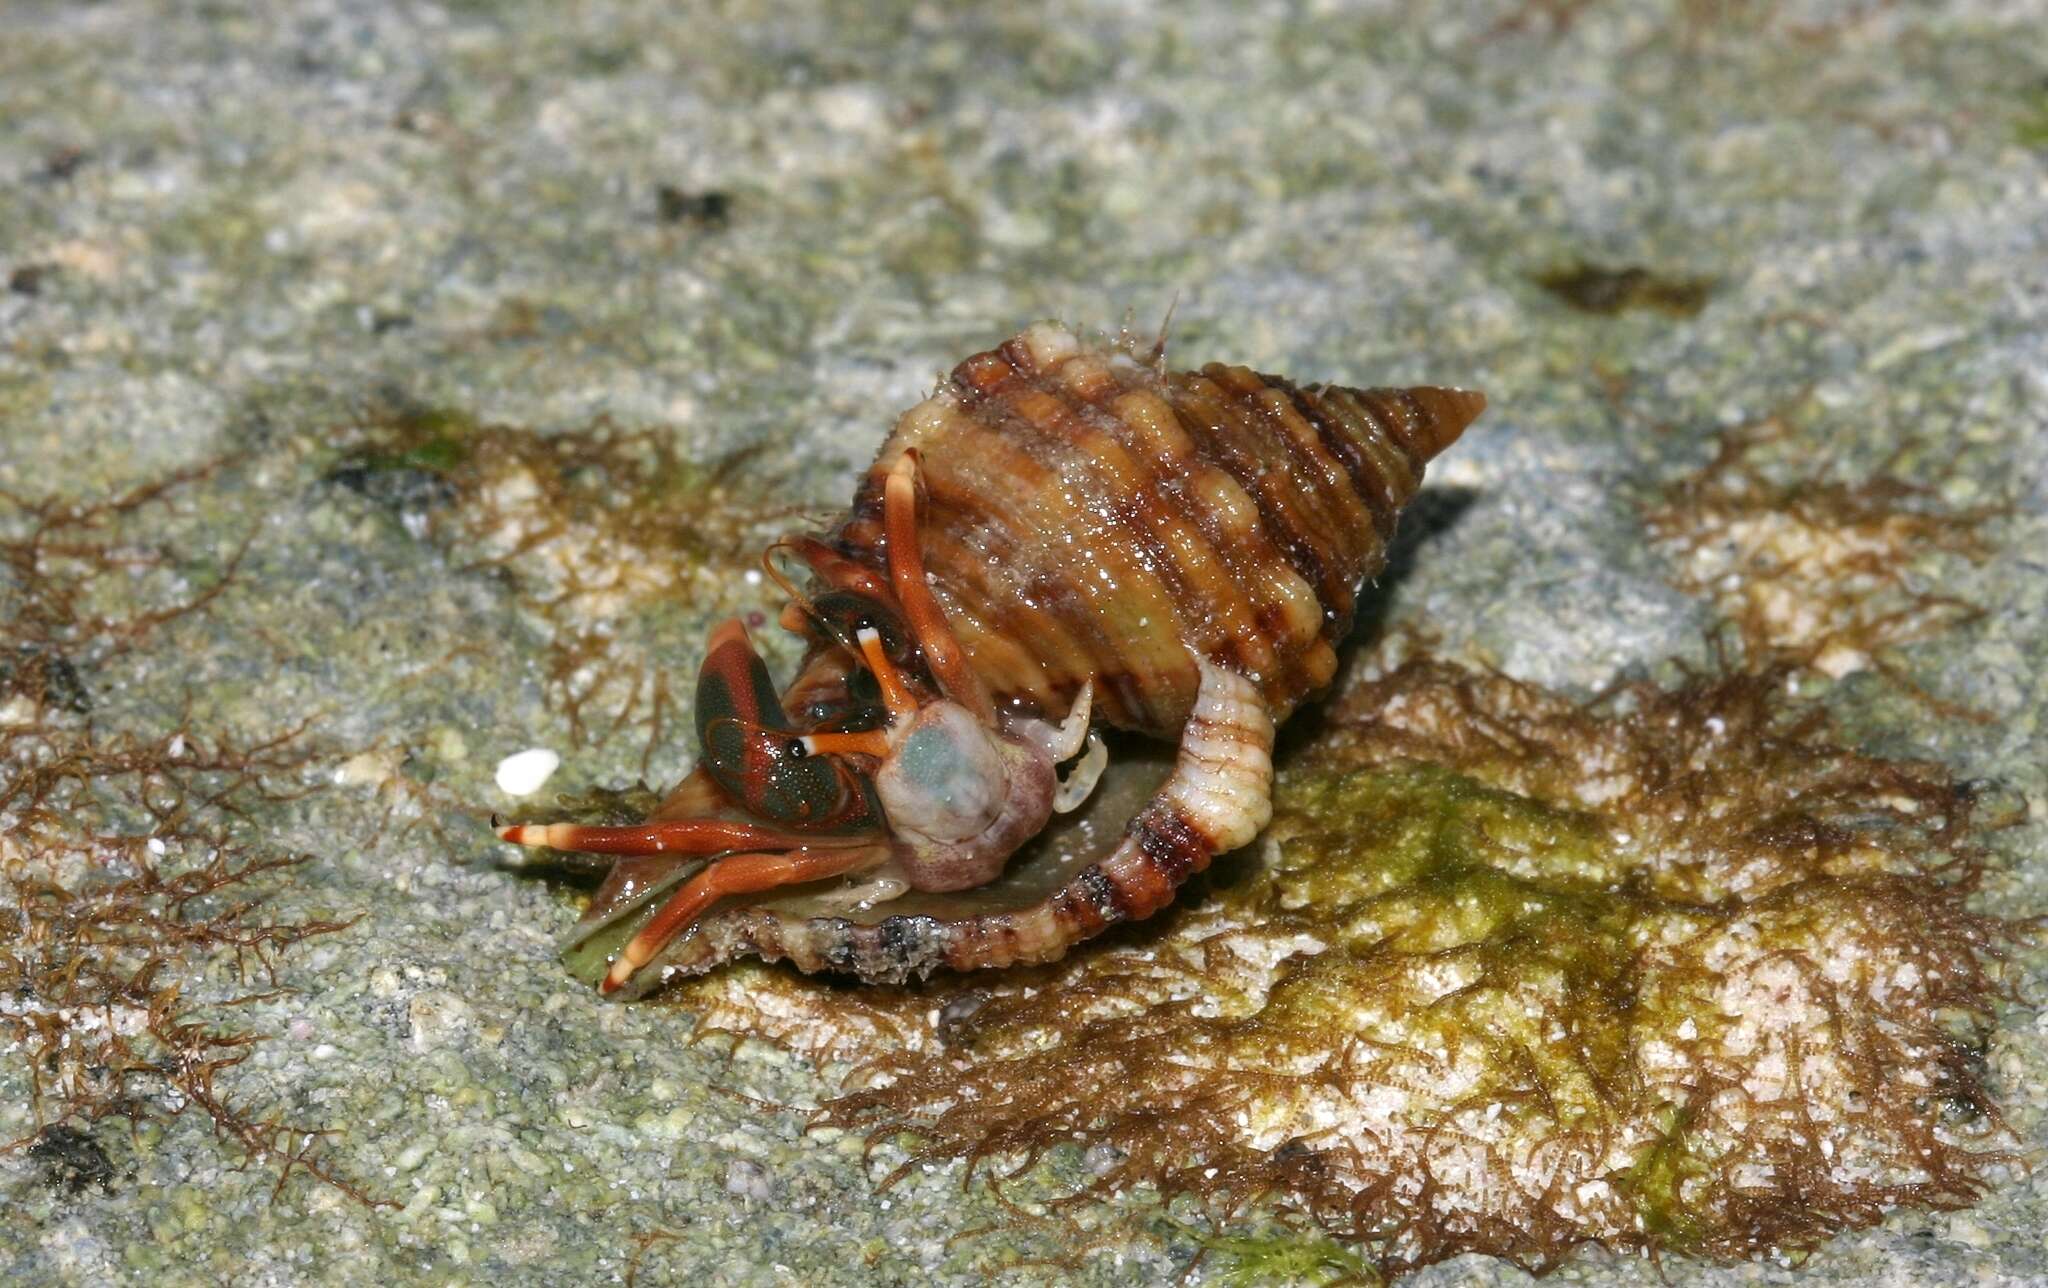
pixel 309 243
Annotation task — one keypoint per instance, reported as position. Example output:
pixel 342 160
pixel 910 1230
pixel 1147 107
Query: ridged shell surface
pixel 1089 514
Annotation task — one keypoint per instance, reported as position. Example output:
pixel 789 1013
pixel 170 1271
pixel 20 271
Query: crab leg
pixel 1065 740
pixel 1217 798
pixel 943 654
pixel 681 836
pixel 1079 784
pixel 734 874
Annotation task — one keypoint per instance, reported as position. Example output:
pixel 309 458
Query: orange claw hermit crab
pixel 1062 534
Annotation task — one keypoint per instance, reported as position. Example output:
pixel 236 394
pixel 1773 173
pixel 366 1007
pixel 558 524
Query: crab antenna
pixel 943 655
pixel 781 579
pixel 1158 354
pixel 799 600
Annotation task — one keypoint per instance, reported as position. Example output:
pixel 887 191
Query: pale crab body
pixel 1062 534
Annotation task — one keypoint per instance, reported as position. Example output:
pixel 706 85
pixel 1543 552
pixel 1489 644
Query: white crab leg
pixel 1080 781
pixel 1073 730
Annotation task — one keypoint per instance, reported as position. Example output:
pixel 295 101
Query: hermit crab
pixel 1064 535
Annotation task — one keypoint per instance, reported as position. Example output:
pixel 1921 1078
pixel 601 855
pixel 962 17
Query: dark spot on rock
pixel 1593 288
pixel 44 678
pixel 747 1179
pixel 28 278
pixel 411 468
pixel 72 1160
pixel 62 164
pixel 709 210
pixel 401 487
pixel 956 1017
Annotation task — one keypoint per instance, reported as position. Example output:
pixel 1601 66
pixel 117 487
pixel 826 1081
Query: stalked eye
pixel 794 749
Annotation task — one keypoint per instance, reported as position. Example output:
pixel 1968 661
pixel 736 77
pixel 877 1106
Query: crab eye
pixel 794 749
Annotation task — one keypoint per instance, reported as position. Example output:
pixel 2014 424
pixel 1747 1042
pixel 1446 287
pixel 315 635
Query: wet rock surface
pixel 388 390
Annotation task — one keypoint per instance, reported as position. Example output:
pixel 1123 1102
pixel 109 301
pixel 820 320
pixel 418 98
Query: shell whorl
pixel 1091 515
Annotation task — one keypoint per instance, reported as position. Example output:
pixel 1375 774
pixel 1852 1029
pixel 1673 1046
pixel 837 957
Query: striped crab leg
pixel 1217 798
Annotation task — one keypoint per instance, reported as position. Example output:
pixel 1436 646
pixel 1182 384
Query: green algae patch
pixel 424 440
pixel 1655 1184
pixel 2030 129
pixel 1248 1261
pixel 1511 900
pixel 1672 972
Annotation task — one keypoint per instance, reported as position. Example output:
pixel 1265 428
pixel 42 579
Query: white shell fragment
pixel 524 772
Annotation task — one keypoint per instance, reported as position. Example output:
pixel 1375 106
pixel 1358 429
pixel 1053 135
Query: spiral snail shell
pixel 1063 534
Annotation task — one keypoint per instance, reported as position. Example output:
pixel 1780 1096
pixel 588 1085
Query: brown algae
pixel 134 894
pixel 128 888
pixel 596 528
pixel 1669 972
pixel 1815 571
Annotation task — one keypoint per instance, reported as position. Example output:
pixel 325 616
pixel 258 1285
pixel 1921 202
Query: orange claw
pixel 734 874
pixel 943 655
